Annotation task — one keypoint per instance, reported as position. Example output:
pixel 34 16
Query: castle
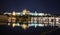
pixel 28 18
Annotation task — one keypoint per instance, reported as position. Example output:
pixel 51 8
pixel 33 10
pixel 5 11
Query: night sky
pixel 46 6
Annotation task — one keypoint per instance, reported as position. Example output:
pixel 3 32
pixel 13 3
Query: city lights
pixel 13 13
pixel 27 19
pixel 24 26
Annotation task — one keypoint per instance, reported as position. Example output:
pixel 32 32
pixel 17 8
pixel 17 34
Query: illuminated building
pixel 28 19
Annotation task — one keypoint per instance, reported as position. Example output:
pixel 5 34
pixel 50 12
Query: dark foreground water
pixel 8 30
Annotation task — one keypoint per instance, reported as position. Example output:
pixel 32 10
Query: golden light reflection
pixel 24 26
pixel 14 24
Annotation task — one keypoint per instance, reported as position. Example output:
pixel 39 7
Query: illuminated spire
pixel 13 13
pixel 36 13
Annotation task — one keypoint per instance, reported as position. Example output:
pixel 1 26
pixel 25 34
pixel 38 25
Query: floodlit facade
pixel 32 19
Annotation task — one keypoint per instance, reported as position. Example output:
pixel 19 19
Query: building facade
pixel 26 17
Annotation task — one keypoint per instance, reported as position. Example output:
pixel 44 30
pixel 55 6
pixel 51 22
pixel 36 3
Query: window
pixel 46 20
pixel 52 20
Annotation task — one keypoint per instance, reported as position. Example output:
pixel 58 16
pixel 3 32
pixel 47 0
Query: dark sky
pixel 47 6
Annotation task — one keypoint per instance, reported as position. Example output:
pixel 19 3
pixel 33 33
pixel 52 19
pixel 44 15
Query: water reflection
pixel 20 30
